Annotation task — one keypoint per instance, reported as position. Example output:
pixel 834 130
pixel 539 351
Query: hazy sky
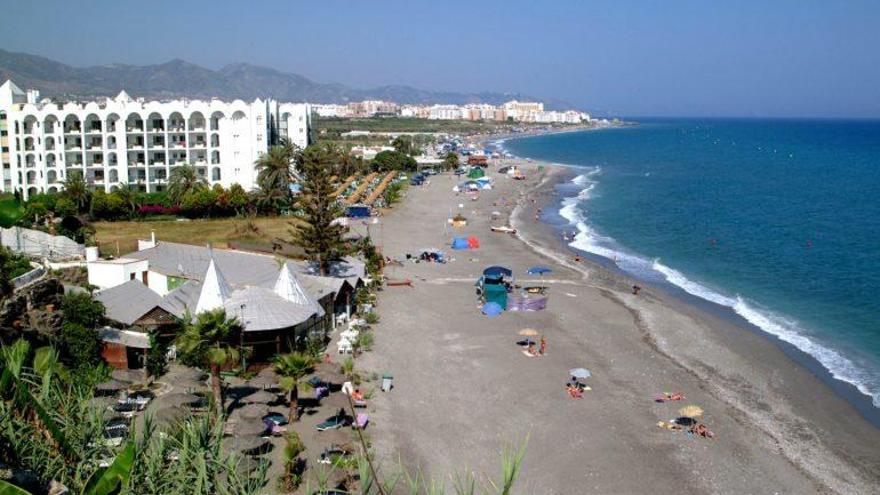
pixel 663 57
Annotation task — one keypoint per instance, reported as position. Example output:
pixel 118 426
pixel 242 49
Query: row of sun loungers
pixel 377 192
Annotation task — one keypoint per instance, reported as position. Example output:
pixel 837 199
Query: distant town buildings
pixel 516 111
pixel 126 141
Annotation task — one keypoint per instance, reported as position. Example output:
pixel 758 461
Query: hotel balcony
pixel 177 128
pixel 72 129
pixel 135 129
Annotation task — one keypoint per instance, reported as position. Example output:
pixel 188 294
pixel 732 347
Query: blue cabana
pixel 460 243
pixel 498 271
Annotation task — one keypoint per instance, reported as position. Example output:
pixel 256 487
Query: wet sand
pixel 464 390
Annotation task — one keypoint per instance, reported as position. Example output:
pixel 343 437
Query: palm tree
pixel 183 179
pixel 76 189
pixel 128 196
pixel 293 368
pixel 206 342
pixel 268 197
pixel 276 167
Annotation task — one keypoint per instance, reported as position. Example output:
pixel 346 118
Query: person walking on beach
pixel 543 345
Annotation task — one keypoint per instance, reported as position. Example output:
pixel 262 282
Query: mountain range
pixel 179 78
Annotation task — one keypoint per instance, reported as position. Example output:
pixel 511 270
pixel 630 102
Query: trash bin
pixel 386 382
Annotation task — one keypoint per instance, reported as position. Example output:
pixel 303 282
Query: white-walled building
pixel 121 140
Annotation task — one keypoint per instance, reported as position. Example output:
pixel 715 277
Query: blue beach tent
pixel 459 243
pixel 538 270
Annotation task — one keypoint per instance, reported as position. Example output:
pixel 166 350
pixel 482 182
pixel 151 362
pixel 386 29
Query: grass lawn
pixel 9 211
pixel 216 231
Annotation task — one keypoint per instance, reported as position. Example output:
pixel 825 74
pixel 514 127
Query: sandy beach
pixel 464 390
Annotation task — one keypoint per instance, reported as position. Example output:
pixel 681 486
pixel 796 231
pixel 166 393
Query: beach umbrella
pixel 251 411
pixel 167 415
pixel 248 445
pixel 492 309
pixel 538 270
pixel 260 397
pixel 252 428
pixel 528 332
pixel 177 399
pixel 691 411
pixel 264 380
pixel 498 271
pixel 112 386
pixel 580 373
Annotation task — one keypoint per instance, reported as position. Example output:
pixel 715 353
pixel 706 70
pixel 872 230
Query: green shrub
pixel 157 358
pixel 371 318
pixel 81 309
pixel 80 345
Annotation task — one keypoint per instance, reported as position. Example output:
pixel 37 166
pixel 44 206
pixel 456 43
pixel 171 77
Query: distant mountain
pixel 179 78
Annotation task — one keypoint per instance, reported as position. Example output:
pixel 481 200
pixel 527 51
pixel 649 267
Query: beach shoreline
pixel 553 201
pixel 792 432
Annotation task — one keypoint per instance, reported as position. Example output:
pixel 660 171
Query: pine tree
pixel 315 232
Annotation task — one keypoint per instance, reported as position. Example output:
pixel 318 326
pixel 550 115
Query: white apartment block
pixel 121 140
pixel 445 112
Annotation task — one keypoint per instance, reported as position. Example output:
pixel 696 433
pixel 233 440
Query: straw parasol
pixel 691 411
pixel 260 397
pixel 112 386
pixel 170 414
pixel 177 399
pixel 247 444
pixel 267 378
pixel 251 411
pixel 250 428
pixel 528 332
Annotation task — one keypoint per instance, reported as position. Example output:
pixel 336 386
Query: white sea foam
pixel 786 329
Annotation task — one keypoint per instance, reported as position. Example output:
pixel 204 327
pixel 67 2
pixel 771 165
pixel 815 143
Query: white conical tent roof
pixel 289 288
pixel 123 97
pixel 215 290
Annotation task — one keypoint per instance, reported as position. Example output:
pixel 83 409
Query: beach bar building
pixel 279 303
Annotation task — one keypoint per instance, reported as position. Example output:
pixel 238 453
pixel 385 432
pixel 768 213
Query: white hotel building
pixel 122 140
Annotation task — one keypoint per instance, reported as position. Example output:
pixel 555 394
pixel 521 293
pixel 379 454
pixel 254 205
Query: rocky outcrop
pixel 33 313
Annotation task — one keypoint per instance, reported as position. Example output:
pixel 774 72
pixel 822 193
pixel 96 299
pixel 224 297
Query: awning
pixel 128 338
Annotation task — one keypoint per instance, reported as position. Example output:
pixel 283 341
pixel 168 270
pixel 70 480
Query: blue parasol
pixel 498 271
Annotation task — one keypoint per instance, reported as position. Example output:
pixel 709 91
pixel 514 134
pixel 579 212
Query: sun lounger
pixel 337 421
pixel 274 428
pixel 361 421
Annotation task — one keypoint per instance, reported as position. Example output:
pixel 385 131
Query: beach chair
pixel 361 421
pixel 337 421
pixel 344 347
pixel 274 428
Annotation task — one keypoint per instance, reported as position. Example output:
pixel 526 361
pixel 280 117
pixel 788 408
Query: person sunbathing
pixel 357 395
pixel 669 397
pixel 701 430
pixel 574 392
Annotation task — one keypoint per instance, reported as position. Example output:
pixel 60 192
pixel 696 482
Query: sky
pixel 744 58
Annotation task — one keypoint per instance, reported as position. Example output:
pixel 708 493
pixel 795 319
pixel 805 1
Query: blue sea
pixel 777 219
